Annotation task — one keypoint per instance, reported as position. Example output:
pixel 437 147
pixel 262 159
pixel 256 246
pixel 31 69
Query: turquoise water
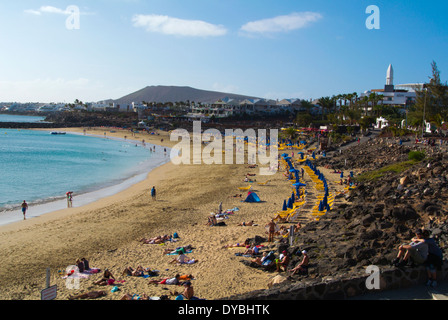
pixel 23 119
pixel 39 167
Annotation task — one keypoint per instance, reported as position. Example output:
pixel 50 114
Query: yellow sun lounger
pixel 245 188
pixel 263 183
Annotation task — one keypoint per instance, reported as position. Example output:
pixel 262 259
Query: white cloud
pixel 50 9
pixel 174 26
pixel 293 21
pixel 53 10
pixel 35 12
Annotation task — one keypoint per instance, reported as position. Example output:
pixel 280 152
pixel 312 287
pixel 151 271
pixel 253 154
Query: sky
pixel 91 50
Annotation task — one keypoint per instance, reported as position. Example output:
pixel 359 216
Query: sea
pixel 41 168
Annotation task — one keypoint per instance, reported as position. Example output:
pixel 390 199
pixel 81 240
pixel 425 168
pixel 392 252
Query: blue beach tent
pixel 252 197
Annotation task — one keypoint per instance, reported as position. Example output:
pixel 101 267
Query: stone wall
pixel 339 289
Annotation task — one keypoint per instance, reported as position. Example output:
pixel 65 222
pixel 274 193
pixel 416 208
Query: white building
pixel 381 123
pixel 399 95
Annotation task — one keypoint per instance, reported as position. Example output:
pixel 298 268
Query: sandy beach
pixel 107 232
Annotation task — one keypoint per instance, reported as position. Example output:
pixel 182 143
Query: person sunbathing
pixel 183 259
pixel 106 279
pixel 252 251
pixel 283 263
pixel 236 196
pixel 128 296
pixel 280 219
pixel 139 271
pixel 246 224
pixel 155 240
pixel 187 294
pixel 169 281
pixel 88 295
pixel 178 250
pixel 260 260
pixel 236 245
pixel 302 267
pixel 186 277
pixel 211 220
pixel 283 231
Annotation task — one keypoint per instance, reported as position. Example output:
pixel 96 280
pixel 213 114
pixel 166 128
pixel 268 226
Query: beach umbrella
pixel 342 174
pixel 321 207
pixel 284 206
pixel 293 170
pixel 290 203
pixel 299 184
pixel 293 197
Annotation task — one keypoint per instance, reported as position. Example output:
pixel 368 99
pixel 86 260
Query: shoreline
pixel 87 196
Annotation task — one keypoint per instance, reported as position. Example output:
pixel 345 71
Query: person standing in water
pixel 24 208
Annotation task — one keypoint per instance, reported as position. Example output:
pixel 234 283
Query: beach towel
pixel 177 252
pixel 113 281
pixel 83 275
pixel 189 261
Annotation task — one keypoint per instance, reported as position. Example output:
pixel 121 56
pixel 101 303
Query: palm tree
pixel 355 100
pixel 350 100
pixel 326 103
pixel 365 102
pixel 290 133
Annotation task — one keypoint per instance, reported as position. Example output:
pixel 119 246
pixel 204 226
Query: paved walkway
pixel 420 292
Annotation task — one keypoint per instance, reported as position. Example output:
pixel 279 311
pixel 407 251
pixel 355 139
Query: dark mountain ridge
pixel 165 94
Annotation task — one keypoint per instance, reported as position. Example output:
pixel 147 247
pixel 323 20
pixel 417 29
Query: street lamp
pixel 424 109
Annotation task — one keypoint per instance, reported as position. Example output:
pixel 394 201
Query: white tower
pixel 390 76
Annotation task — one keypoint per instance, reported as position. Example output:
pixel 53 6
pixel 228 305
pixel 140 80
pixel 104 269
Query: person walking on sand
pixel 69 199
pixel 24 208
pixel 153 193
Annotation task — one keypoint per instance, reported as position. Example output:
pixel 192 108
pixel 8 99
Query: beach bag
pixel 115 289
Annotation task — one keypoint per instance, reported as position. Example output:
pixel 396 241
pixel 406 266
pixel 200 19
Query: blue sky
pixel 270 49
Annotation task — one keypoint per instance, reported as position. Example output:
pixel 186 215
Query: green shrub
pixel 416 155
